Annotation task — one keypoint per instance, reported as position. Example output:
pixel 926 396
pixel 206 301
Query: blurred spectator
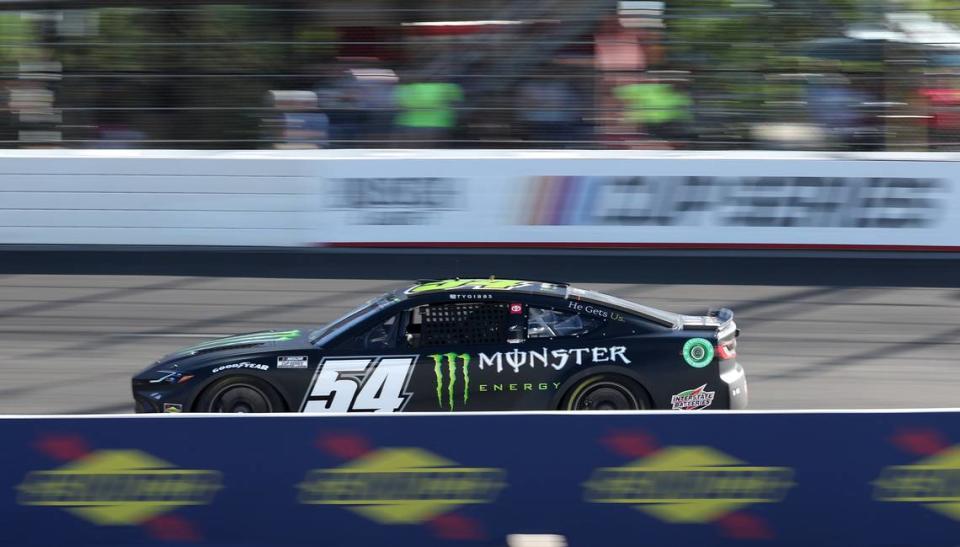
pixel 753 67
pixel 837 108
pixel 549 111
pixel 337 97
pixel 490 114
pixel 656 108
pixel 31 105
pixel 942 101
pixel 373 92
pixel 116 132
pixel 427 111
pixel 301 126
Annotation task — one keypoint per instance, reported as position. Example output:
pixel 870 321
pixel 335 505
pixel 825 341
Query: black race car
pixel 464 345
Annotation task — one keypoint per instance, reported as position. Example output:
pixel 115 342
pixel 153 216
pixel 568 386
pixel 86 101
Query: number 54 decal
pixel 360 384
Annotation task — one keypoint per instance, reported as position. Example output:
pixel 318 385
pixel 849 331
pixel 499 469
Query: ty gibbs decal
pixel 826 202
pixel 395 200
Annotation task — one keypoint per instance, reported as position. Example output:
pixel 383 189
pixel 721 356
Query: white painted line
pixel 536 540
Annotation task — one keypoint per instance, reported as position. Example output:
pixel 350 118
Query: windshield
pixel 653 314
pixel 354 316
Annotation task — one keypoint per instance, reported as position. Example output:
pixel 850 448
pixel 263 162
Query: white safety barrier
pixel 155 198
pixel 482 198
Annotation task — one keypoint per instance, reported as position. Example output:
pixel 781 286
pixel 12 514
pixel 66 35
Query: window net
pixel 464 323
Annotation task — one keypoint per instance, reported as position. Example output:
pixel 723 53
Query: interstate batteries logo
pixel 693 399
pixel 401 485
pixel 119 487
pixel 688 484
pixel 933 482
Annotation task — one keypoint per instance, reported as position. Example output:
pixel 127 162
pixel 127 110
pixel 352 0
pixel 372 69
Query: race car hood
pixel 274 339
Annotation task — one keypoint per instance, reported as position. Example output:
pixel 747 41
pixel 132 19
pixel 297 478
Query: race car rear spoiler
pixel 722 314
pixel 727 326
pixel 717 319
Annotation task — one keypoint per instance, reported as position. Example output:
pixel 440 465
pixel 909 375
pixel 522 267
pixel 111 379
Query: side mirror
pixel 516 334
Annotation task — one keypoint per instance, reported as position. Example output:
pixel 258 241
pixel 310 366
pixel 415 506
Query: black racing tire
pixel 606 392
pixel 240 394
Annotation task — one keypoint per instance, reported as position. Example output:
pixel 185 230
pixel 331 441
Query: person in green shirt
pixel 427 111
pixel 658 108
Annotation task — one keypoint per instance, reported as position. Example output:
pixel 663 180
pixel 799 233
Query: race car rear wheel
pixel 607 392
pixel 240 395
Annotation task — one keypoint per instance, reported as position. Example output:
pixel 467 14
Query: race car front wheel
pixel 240 395
pixel 607 392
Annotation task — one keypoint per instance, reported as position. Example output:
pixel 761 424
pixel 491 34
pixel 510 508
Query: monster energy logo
pixel 451 359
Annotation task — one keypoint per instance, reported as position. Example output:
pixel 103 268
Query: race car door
pixel 365 370
pixel 555 344
pixel 426 358
pixel 452 340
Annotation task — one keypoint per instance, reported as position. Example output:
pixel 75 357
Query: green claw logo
pixel 451 359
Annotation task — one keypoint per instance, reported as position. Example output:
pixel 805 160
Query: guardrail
pixel 471 198
pixel 834 478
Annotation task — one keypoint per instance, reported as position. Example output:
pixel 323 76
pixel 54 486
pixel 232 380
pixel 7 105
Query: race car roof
pixel 511 285
pixel 558 290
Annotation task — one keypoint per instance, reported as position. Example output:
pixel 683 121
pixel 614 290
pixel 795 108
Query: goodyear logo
pixel 695 484
pixel 401 486
pixel 119 487
pixel 933 482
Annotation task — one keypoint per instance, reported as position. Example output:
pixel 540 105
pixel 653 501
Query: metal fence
pixel 690 74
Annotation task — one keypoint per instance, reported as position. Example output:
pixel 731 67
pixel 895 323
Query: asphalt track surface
pixel 72 332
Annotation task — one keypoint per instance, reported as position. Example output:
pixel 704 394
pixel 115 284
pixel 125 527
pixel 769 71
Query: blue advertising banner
pixel 599 480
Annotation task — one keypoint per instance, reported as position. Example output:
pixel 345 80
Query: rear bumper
pixel 735 378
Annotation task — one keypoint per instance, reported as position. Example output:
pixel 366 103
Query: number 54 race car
pixel 464 345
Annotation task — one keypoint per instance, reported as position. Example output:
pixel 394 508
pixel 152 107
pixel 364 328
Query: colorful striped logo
pixel 556 201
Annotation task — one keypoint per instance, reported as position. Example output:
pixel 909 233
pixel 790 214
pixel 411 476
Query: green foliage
pixel 121 44
pixel 16 37
pixel 737 50
pixel 754 34
pixel 947 11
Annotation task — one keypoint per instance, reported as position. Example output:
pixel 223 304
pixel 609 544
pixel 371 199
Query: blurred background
pixel 839 265
pixel 676 74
